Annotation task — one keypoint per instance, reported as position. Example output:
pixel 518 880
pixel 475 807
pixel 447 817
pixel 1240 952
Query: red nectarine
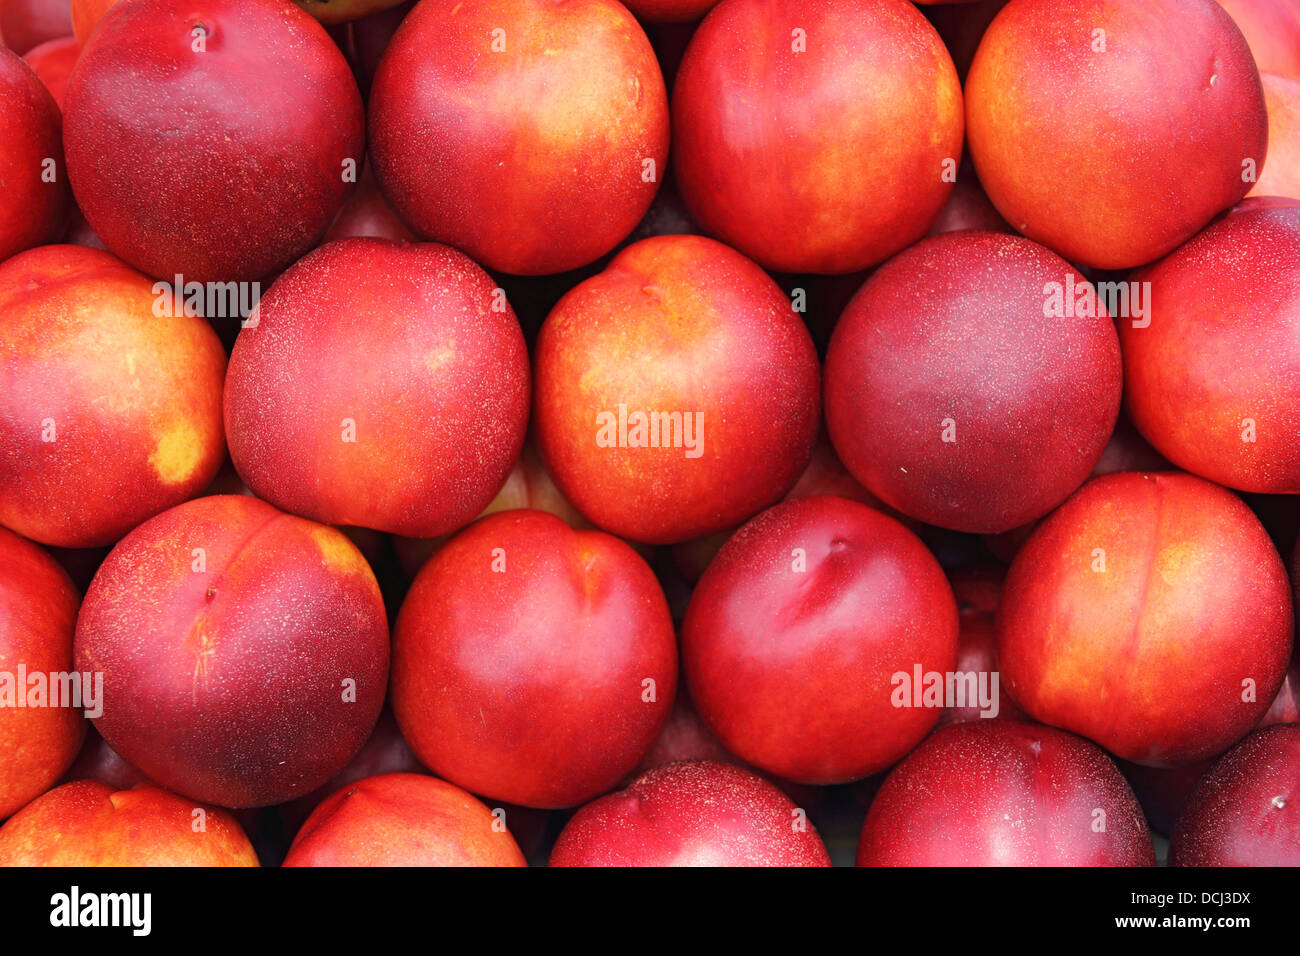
pixel 384 385
pixel 816 137
pixel 1112 131
pixel 692 814
pixel 36 200
pixel 88 823
pixel 797 632
pixel 1212 376
pixel 244 651
pixel 677 391
pixel 1246 810
pixel 243 125
pixel 973 382
pixel 1150 613
pixel 403 819
pixel 1005 793
pixel 39 738
pixel 111 408
pixel 530 134
pixel 531 662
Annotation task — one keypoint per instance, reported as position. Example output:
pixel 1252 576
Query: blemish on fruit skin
pixel 336 550
pixel 178 453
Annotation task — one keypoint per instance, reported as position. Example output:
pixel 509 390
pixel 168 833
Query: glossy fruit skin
pixel 34 211
pixel 38 609
pixel 953 398
pixel 529 159
pixel 1005 793
pixel 485 661
pixel 438 406
pixel 88 823
pixel 187 655
pixel 793 669
pixel 77 470
pixel 239 153
pixel 1081 150
pixel 403 819
pixel 784 154
pixel 1193 602
pixel 1222 351
pixel 677 324
pixel 1246 810
pixel 1281 173
pixel 693 813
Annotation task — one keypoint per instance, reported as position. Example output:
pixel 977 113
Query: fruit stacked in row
pixel 679 482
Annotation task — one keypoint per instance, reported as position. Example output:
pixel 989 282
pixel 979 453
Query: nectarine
pixel 531 662
pixel 88 823
pixel 39 738
pixel 676 393
pixel 1150 613
pixel 1005 793
pixel 244 127
pixel 816 137
pixel 384 385
pixel 111 410
pixel 244 651
pixel 973 382
pixel 693 813
pixel 797 632
pixel 403 819
pixel 36 198
pixel 1212 376
pixel 1112 131
pixel 530 134
pixel 1246 810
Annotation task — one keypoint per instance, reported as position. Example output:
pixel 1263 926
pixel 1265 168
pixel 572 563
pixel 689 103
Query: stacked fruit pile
pixel 905 460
